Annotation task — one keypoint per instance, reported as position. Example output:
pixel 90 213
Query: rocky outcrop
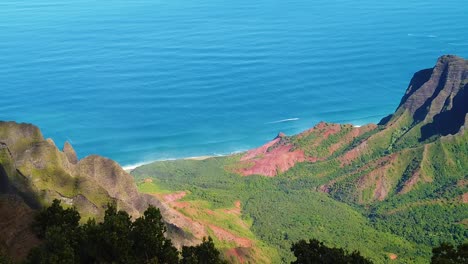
pixel 429 89
pixel 438 97
pixel 70 153
pixel 111 177
pixel 385 160
pixel 33 172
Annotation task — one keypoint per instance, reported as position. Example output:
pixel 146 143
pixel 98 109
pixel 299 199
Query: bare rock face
pixel 70 153
pixel 19 137
pixel 33 172
pixel 438 97
pixel 110 176
pixel 429 89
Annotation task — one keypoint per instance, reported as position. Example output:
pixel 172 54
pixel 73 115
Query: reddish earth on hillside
pixel 240 254
pixel 271 158
pixel 280 154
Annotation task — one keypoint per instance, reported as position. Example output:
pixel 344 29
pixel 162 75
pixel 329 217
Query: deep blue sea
pixel 142 80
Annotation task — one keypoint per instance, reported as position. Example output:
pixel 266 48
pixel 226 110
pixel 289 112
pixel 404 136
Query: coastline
pixel 130 168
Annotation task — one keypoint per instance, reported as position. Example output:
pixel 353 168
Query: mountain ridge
pixel 410 167
pixel 33 172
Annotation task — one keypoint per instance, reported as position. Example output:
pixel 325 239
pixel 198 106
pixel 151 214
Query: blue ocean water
pixel 142 80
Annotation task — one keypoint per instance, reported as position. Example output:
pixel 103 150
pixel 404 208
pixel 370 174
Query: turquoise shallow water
pixel 144 80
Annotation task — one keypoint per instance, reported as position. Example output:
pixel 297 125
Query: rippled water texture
pixel 147 79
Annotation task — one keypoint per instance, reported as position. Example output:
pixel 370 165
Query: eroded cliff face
pixel 438 97
pixel 419 144
pixel 33 172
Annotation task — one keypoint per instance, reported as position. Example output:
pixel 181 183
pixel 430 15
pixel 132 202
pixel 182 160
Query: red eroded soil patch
pixel 196 227
pixel 408 186
pixel 392 256
pixel 180 205
pixel 210 212
pixel 462 183
pixel 465 198
pixel 178 219
pixel 378 177
pixel 251 154
pixel 384 161
pixel 331 130
pixel 225 235
pixel 381 190
pixel 169 198
pixel 354 153
pixel 238 254
pixel 324 129
pixel 349 137
pixel 277 160
pixel 236 210
pixel 271 158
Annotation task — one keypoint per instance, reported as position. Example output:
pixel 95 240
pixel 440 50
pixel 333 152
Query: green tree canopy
pixel 115 240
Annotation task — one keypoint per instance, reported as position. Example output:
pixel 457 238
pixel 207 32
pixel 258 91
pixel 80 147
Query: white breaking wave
pixel 284 120
pixel 422 35
pixel 130 167
pixel 134 166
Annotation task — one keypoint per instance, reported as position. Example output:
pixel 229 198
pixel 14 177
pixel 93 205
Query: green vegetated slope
pixel 391 191
pixel 281 210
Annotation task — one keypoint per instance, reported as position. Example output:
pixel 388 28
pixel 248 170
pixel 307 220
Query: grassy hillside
pixel 375 189
pixel 279 211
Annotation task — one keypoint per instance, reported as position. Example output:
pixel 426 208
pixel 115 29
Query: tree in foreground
pixel 4 259
pixel 115 240
pixel 205 253
pixel 59 229
pixel 150 244
pixel 448 254
pixel 315 252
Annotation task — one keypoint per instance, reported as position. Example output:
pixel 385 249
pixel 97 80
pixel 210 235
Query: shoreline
pixel 130 168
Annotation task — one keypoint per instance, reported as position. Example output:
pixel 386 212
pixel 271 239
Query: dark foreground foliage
pixel 119 240
pixel 315 252
pixel 4 259
pixel 448 254
pixel 203 253
pixel 115 240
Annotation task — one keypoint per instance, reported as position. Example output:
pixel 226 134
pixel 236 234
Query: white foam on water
pixel 283 120
pixel 131 167
pixel 422 35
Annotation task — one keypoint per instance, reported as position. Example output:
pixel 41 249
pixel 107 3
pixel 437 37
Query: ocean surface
pixel 143 80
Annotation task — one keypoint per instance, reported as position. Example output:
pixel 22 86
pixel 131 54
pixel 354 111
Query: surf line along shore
pixel 130 168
